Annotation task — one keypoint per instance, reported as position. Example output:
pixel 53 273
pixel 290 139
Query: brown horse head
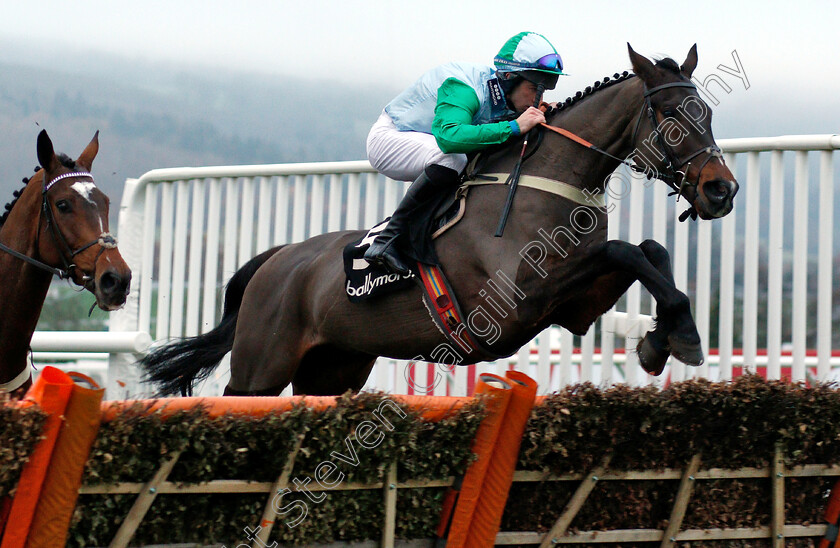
pixel 74 232
pixel 679 125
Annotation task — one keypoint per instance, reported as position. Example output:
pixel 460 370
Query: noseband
pixel 676 178
pixel 106 240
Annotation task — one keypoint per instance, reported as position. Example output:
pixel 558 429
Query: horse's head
pixel 74 227
pixel 674 136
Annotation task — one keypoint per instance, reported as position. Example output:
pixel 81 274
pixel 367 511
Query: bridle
pixel 676 178
pixel 106 240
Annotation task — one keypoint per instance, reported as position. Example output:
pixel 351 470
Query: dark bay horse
pixel 287 318
pixel 56 225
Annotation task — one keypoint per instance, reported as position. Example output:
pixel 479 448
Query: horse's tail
pixel 176 367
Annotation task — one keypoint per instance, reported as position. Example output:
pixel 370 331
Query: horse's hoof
pixel 688 353
pixel 652 360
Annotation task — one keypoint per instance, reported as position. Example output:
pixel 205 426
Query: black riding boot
pixel 434 180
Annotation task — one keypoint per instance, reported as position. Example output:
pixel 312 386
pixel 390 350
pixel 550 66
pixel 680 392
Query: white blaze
pixel 84 189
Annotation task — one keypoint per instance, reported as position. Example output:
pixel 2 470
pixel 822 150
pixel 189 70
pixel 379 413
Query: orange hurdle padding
pixel 51 522
pixel 51 391
pixel 431 408
pixel 454 525
pixel 487 517
pixel 832 517
pixel 5 508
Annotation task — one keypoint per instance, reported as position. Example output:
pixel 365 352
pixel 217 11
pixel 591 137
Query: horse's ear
pixel 46 152
pixel 87 156
pixel 642 66
pixel 690 62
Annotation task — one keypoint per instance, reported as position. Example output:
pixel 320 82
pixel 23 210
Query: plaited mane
pixel 594 88
pixel 667 64
pixel 65 160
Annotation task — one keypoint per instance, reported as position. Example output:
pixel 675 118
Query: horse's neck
pixel 606 119
pixel 23 289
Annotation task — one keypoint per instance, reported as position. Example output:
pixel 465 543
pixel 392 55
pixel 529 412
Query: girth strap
pixel 570 192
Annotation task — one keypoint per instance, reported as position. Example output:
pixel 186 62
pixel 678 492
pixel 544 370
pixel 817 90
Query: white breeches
pixel 403 155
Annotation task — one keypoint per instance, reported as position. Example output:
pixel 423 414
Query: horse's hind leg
pixel 275 391
pixel 326 370
pixel 264 360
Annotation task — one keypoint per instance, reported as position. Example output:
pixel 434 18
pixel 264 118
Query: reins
pixel 513 178
pixel 106 240
pixel 35 262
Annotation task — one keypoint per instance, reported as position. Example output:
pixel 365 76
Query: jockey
pixel 425 133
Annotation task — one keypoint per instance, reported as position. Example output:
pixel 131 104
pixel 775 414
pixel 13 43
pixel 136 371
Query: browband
pixel 67 176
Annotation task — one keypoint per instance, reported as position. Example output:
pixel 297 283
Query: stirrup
pixel 394 264
pixel 387 258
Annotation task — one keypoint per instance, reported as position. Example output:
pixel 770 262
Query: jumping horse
pixel 287 319
pixel 57 225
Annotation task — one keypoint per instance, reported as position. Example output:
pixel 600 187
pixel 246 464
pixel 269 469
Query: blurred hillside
pixel 156 116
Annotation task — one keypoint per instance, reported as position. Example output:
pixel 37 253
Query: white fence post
pixel 826 261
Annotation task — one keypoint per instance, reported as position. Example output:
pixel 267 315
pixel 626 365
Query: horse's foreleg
pixel 579 313
pixel 616 266
pixel 653 349
pixel 675 332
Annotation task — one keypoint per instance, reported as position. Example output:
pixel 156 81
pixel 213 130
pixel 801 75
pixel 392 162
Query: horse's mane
pixel 594 88
pixel 65 160
pixel 667 64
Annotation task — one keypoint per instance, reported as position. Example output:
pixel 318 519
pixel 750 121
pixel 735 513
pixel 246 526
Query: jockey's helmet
pixel 531 56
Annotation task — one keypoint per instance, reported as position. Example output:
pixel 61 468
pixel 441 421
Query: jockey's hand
pixel 530 118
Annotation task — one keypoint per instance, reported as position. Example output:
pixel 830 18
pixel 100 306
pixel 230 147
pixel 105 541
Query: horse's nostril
pixel 107 282
pixel 719 190
pixel 111 283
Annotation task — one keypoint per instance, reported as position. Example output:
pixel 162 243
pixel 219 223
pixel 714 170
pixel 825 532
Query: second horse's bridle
pixel 106 240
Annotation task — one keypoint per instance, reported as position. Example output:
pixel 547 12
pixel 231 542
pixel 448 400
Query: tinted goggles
pixel 552 61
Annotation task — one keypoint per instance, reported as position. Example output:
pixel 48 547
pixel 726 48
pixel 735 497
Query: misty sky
pixel 789 51
pixel 390 41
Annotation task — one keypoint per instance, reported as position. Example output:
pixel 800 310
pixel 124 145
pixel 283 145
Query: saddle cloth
pixel 366 281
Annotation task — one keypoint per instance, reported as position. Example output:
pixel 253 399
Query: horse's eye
pixel 63 206
pixel 668 113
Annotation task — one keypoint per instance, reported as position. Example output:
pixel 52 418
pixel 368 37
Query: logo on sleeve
pixel 498 105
